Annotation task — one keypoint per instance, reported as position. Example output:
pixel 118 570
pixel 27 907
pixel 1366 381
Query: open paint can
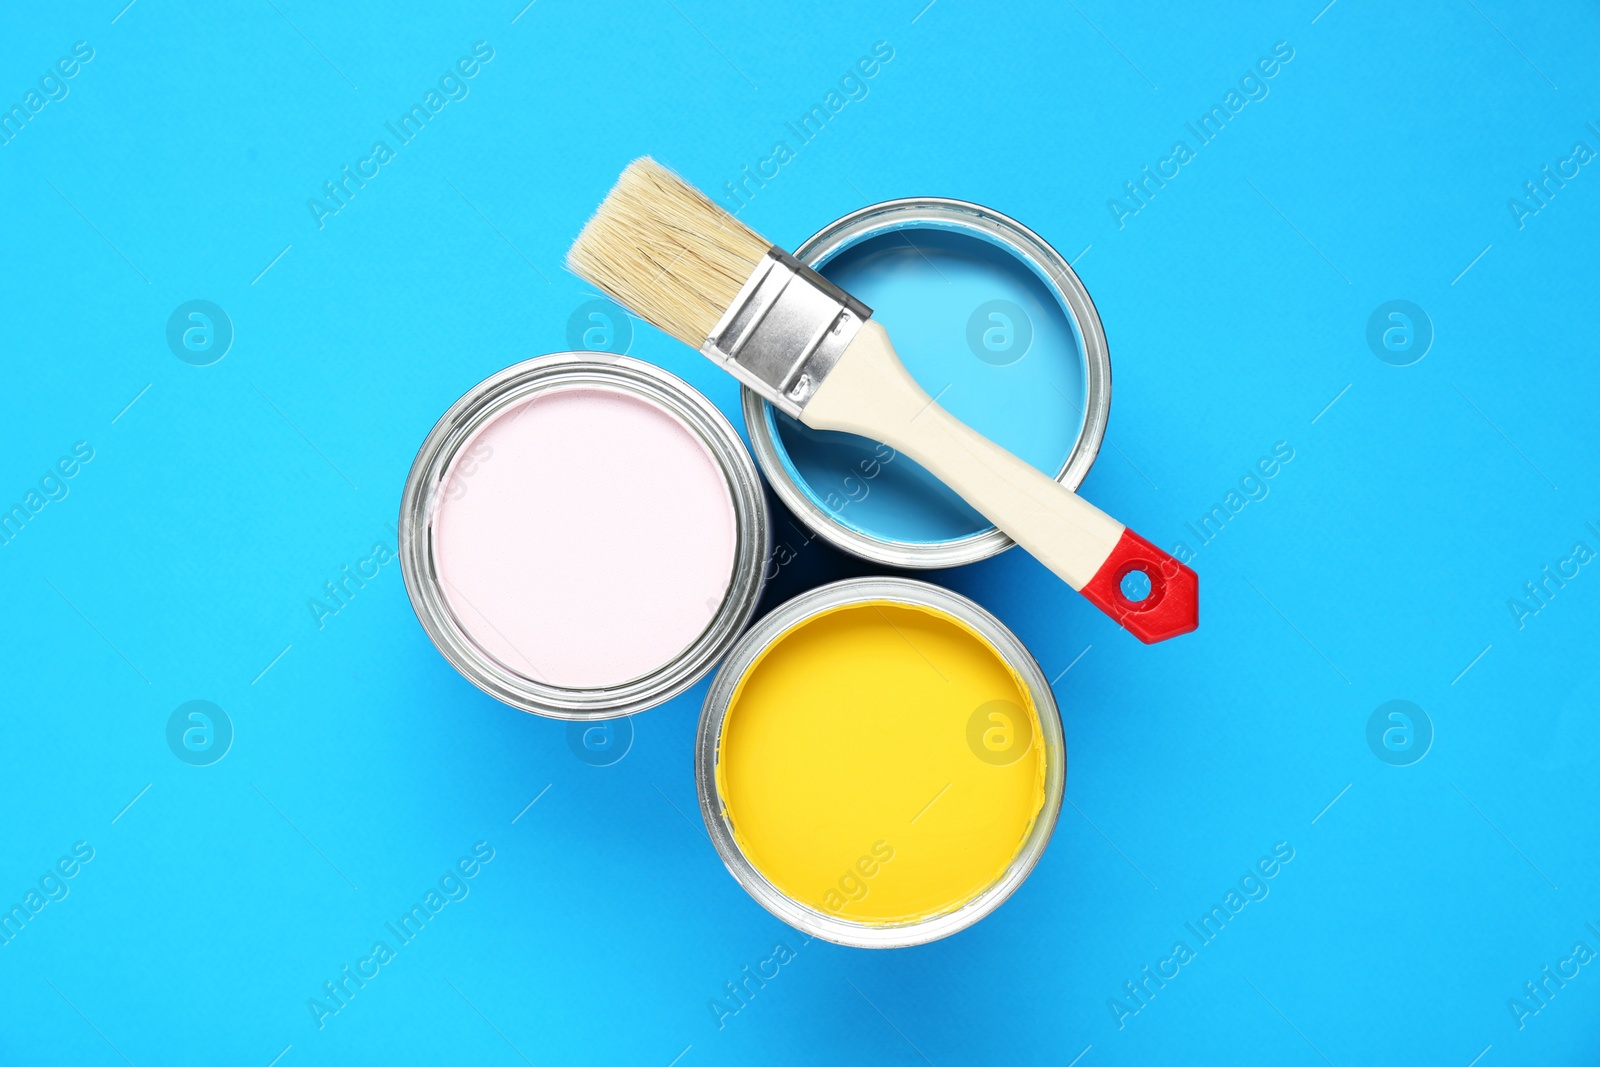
pixel 583 535
pixel 880 762
pixel 993 324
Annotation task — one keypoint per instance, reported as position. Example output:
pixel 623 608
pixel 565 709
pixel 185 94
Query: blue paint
pixel 1023 392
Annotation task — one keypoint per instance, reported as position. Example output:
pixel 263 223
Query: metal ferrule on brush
pixel 785 331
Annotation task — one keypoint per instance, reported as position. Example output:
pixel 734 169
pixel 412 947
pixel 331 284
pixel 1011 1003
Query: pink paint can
pixel 583 535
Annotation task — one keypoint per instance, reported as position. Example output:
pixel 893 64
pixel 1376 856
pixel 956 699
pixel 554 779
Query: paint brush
pixel 662 249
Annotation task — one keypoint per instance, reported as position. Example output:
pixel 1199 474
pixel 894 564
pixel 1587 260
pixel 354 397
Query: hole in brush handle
pixel 1171 606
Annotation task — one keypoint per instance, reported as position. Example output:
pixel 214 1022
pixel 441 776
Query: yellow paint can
pixel 880 762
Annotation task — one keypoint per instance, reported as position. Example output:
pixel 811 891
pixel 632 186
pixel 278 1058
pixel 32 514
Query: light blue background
pixel 180 565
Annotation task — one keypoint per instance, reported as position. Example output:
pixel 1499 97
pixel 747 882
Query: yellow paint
pixel 846 770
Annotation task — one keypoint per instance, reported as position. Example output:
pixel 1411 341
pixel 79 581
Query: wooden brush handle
pixel 870 393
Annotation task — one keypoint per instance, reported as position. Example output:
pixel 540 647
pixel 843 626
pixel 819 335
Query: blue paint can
pixel 994 324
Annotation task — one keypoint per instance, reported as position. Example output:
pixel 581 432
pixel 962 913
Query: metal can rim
pixel 1050 266
pixel 522 382
pixel 714 712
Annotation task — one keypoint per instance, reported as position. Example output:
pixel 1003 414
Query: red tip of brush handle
pixel 1171 608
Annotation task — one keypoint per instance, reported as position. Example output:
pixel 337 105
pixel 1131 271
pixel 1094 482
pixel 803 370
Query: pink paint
pixel 584 538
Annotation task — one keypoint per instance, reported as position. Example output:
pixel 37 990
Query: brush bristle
pixel 661 249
